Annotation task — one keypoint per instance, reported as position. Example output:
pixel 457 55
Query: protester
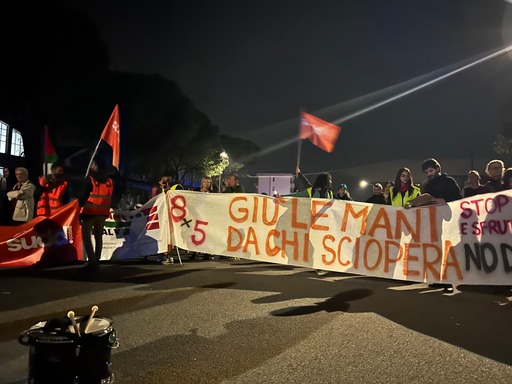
pixel 233 184
pixel 22 197
pixel 321 188
pixel 404 189
pixel 10 178
pixel 474 187
pixel 206 187
pixel 377 197
pixel 439 185
pixel 5 205
pixel 494 170
pixel 444 189
pixel 507 178
pixel 385 193
pixel 55 192
pixel 163 185
pixel 95 201
pixel 343 193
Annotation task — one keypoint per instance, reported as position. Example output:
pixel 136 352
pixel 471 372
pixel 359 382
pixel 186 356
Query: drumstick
pixel 71 316
pixel 93 311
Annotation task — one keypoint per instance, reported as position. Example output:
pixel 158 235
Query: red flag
pixel 111 135
pixel 50 156
pixel 319 132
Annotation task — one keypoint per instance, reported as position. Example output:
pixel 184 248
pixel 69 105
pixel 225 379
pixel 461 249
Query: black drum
pixel 59 355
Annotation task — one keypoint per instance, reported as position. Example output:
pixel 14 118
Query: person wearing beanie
pixel 343 193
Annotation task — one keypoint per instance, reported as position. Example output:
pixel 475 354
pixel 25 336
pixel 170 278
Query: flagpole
pixel 92 157
pixel 299 144
pixel 299 149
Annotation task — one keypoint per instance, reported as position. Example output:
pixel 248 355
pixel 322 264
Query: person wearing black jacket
pixel 444 189
pixel 439 185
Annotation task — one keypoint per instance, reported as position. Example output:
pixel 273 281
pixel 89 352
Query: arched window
pixel 17 144
pixel 3 136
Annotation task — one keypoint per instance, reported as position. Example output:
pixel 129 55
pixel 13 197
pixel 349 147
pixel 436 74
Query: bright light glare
pixel 224 155
pixel 363 184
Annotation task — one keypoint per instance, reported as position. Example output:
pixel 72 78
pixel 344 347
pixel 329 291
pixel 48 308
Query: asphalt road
pixel 228 321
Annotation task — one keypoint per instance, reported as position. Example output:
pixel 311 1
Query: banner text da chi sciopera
pixel 464 242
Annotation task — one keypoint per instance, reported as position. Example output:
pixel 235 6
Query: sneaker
pixel 448 289
pixel 165 259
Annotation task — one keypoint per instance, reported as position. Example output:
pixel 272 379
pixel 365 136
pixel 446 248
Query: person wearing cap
pixel 404 189
pixel 343 193
pixel 377 197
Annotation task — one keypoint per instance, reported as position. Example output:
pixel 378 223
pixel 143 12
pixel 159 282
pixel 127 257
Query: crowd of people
pixel 21 200
pixel 439 185
pixel 438 188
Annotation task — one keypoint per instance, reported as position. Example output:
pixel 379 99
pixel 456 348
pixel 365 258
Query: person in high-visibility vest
pixel 95 201
pixel 54 191
pixel 322 187
pixel 404 189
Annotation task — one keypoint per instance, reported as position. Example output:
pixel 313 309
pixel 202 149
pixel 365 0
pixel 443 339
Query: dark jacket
pixel 377 199
pixel 443 187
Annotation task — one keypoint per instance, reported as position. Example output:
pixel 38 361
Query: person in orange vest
pixel 54 191
pixel 95 202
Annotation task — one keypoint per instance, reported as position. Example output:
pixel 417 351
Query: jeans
pixel 93 225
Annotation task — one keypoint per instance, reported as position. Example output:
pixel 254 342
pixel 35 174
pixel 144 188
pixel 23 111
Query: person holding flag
pixel 97 193
pixel 95 201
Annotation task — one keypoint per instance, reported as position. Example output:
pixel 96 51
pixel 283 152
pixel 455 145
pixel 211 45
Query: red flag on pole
pixel 111 135
pixel 50 156
pixel 319 132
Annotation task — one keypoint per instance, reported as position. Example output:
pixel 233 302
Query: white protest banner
pixel 467 241
pixel 137 233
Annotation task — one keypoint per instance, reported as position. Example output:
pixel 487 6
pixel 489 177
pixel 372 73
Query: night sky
pixel 252 65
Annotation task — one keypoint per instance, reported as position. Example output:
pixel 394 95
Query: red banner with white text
pixel 50 240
